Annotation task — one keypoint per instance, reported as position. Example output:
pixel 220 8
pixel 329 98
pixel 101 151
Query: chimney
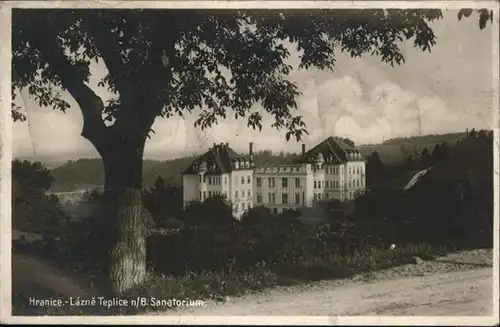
pixel 303 149
pixel 250 149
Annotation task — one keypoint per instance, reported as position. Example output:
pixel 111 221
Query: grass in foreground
pixel 207 285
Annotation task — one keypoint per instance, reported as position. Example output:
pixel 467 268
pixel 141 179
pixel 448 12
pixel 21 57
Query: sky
pixel 447 90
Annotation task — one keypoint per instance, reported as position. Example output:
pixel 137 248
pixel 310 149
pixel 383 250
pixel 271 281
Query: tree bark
pixel 123 201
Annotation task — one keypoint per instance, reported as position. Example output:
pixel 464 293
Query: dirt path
pixel 460 284
pixel 457 285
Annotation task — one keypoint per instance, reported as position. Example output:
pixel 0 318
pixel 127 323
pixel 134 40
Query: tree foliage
pixel 219 60
pixel 32 209
pixel 33 174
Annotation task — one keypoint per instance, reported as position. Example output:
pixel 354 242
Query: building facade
pixel 330 170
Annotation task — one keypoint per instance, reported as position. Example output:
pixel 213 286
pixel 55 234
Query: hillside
pixel 396 149
pixel 87 173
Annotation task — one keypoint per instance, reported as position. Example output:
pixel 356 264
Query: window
pixel 209 194
pixel 315 184
pixel 350 184
pixel 284 198
pixel 357 183
pixel 319 184
pixel 258 181
pixel 225 194
pixel 284 182
pixel 272 198
pixel 204 178
pixel 199 195
pixel 272 182
pixel 275 211
pixel 326 195
pixel 204 195
pixel 236 194
pixel 248 180
pixel 249 192
pixel 297 169
pixel 297 182
pixel 319 196
pixel 297 198
pixel 242 179
pixel 259 198
pixel 225 180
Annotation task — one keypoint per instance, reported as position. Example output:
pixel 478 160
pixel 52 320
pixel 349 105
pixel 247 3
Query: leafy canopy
pixel 166 62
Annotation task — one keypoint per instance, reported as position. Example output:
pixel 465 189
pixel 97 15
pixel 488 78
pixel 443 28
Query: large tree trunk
pixel 123 200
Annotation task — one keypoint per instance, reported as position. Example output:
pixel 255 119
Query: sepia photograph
pixel 241 162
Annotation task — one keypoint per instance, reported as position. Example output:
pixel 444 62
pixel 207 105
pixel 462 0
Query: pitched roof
pixel 220 157
pixel 334 149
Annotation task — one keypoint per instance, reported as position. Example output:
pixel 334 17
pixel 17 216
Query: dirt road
pixel 457 285
pixel 460 284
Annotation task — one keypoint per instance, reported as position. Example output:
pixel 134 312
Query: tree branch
pixel 91 105
pixel 107 46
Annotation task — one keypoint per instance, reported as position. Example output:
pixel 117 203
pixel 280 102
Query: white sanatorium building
pixel 330 170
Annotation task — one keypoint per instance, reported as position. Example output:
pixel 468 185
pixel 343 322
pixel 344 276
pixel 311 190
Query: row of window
pixel 203 195
pixel 355 170
pixel 326 184
pixel 333 170
pixel 336 184
pixel 249 194
pixel 216 180
pixel 271 198
pixel 338 170
pixel 271 182
pixel 242 178
pixel 326 195
pixel 279 169
pixel 211 180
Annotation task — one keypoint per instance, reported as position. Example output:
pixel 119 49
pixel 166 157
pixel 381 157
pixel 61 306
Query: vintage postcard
pixel 249 162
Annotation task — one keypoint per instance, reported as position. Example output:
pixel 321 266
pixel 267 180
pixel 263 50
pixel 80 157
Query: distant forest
pixel 88 173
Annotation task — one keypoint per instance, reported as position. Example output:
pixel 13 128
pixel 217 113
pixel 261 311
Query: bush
pixel 32 210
